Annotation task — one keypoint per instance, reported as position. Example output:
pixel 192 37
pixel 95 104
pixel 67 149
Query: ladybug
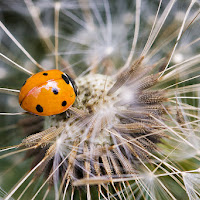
pixel 48 93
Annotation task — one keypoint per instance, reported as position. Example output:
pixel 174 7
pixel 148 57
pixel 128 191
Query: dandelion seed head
pixel 179 15
pixel 109 50
pixel 62 142
pixel 128 18
pixel 90 28
pixel 95 42
pixel 127 95
pixel 150 177
pixel 178 58
pixel 93 99
pixel 59 141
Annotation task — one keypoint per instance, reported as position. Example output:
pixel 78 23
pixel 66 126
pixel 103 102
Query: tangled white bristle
pixel 178 58
pixel 139 131
pixel 127 95
pixel 128 18
pixel 93 98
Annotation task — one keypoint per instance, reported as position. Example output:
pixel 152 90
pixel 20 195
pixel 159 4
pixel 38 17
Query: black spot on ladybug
pixel 39 108
pixel 55 90
pixel 45 74
pixel 65 78
pixel 64 103
pixel 73 84
pixel 24 83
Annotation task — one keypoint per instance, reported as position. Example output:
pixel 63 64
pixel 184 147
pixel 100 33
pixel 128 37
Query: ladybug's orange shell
pixel 47 93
